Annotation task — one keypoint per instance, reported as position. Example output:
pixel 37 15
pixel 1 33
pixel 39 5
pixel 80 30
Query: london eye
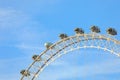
pixel 67 44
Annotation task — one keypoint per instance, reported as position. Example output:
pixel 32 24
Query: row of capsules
pixel 95 29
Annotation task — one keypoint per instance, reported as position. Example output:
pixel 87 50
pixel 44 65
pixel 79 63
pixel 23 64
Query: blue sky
pixel 25 25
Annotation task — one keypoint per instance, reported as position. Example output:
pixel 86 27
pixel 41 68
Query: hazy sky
pixel 25 25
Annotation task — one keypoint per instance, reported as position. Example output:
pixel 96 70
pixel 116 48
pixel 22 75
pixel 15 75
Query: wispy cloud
pixel 10 68
pixel 64 71
pixel 31 7
pixel 18 30
pixel 23 46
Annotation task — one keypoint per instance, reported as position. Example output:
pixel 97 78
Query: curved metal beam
pixel 72 40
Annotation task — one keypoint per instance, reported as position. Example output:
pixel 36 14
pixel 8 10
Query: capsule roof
pixel 48 44
pixel 79 31
pixel 111 31
pixel 62 36
pixel 95 29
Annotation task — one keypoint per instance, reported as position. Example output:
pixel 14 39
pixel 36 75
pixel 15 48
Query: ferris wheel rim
pixel 60 41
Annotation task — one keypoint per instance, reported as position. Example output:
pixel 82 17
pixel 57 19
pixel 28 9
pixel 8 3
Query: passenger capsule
pixel 79 31
pixel 62 36
pixel 95 29
pixel 36 58
pixel 25 73
pixel 111 31
pixel 48 44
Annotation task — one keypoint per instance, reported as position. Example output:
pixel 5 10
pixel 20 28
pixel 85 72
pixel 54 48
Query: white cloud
pixel 10 18
pixel 30 6
pixel 10 68
pixel 64 71
pixel 23 46
pixel 19 27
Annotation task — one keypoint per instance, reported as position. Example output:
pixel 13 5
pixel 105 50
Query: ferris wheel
pixel 67 44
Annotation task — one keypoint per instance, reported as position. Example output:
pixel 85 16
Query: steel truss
pixel 78 41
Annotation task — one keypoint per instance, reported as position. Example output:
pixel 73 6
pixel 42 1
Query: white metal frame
pixel 64 46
